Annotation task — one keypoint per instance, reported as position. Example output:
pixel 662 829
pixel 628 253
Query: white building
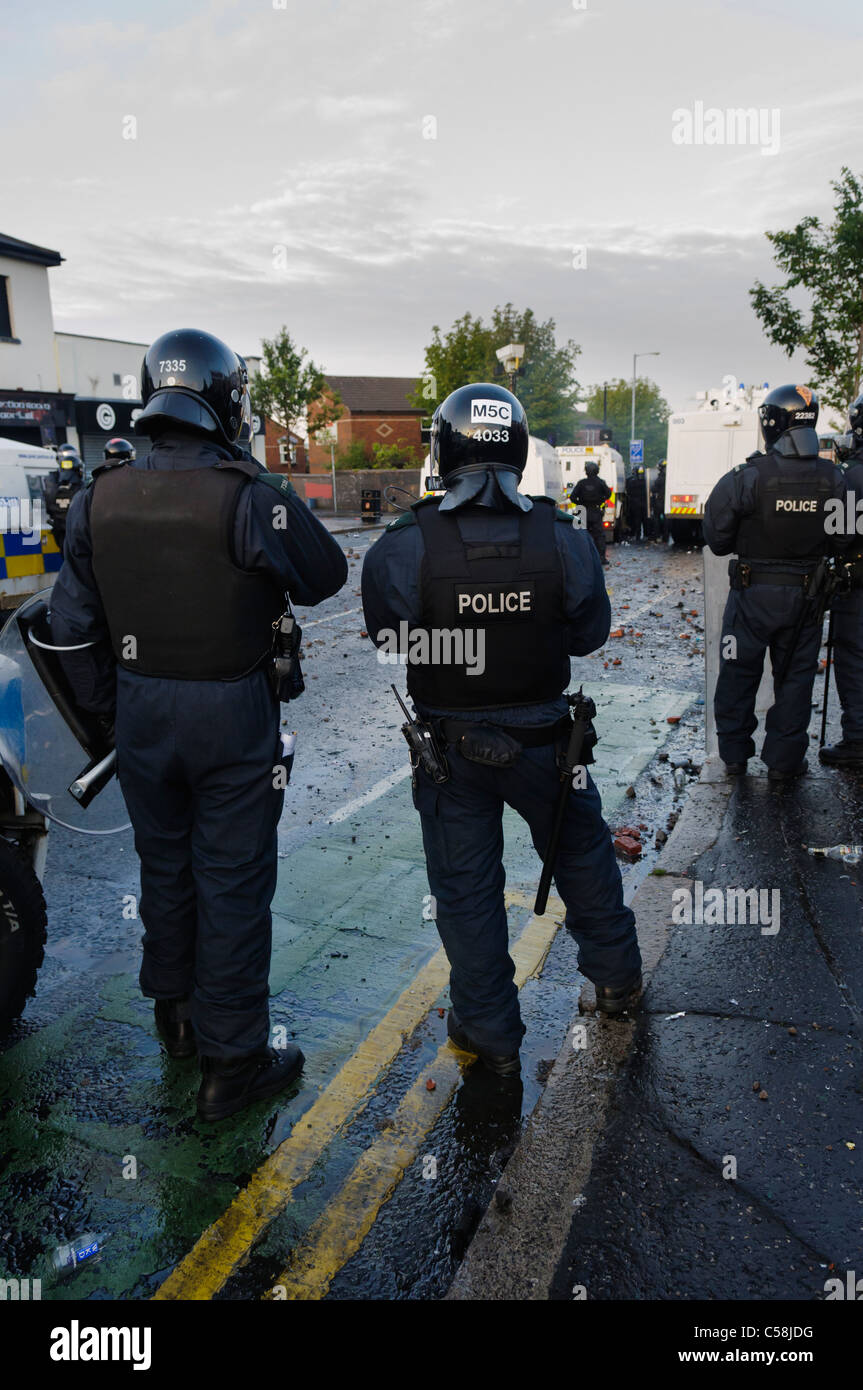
pixel 60 388
pixel 33 407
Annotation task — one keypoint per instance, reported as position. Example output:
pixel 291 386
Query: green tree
pixel 466 352
pixel 353 455
pixel 358 454
pixel 823 264
pixel 651 416
pixel 289 383
pixel 398 455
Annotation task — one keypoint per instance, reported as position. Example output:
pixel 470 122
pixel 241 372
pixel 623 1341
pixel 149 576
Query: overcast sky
pixel 280 172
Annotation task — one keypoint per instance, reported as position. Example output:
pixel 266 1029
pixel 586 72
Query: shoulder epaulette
pixel 406 519
pixel 279 482
pixel 752 458
pixel 108 464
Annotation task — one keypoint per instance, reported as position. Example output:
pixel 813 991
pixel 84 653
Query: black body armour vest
pixel 590 492
pixel 64 494
pixel 789 521
pixel 162 558
pixel 510 596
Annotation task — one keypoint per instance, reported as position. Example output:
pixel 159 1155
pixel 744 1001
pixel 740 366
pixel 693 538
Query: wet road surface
pixel 368 1181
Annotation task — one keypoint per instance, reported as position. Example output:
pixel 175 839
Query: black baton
pixel 583 710
pixel 827 680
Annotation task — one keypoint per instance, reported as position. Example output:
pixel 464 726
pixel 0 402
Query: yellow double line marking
pixel 224 1246
pixel 340 1230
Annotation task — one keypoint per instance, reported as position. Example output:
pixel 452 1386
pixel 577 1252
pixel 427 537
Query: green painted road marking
pixel 349 938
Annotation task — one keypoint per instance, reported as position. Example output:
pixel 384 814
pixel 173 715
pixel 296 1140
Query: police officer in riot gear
pixel 60 489
pixel 772 511
pixel 118 450
pixel 657 503
pixel 635 502
pixel 514 575
pixel 847 606
pixel 592 493
pixel 178 568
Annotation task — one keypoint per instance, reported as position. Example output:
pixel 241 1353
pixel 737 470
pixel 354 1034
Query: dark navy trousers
pixel 848 661
pixel 463 838
pixel 195 763
pixel 761 619
pixel 595 529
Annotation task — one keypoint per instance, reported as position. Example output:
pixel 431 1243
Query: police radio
pixel 422 741
pixel 285 671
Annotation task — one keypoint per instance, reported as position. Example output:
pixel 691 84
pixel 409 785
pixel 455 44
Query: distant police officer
pixel 657 503
pixel 61 487
pixel 178 567
pixel 847 608
pixel 592 493
pixel 118 450
pixel 772 510
pixel 511 573
pixel 636 499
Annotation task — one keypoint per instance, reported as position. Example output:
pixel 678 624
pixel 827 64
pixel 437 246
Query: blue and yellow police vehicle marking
pixel 23 554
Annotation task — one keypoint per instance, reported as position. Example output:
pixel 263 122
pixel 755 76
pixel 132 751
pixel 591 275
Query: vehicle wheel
pixel 23 924
pixel 683 532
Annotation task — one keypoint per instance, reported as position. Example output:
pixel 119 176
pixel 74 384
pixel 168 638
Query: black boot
pixel 845 753
pixel 508 1065
pixel 735 769
pixel 174 1026
pixel 230 1084
pixel 775 774
pixel 615 1001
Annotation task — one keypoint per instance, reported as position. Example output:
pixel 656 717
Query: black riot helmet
pixel 788 408
pixel 479 442
pixel 68 458
pixel 591 467
pixel 855 419
pixel 117 449
pixel 194 382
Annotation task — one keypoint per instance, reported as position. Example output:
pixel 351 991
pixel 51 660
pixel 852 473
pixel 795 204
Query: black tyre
pixel 23 924
pixel 684 532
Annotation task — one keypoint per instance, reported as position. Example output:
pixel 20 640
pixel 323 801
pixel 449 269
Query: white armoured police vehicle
pixel 703 444
pixel 29 557
pixel 541 476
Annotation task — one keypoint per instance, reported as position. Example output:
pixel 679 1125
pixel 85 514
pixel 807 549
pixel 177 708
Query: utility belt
pixel 743 574
pixel 453 732
pixel 500 745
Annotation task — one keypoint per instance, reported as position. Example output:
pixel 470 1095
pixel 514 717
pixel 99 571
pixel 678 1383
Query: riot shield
pixel 57 756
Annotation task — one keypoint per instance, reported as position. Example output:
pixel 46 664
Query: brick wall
pixel 403 429
pixel 318 487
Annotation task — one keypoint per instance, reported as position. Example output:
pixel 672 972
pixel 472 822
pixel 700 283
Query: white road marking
pixel 653 602
pixel 330 617
pixel 385 785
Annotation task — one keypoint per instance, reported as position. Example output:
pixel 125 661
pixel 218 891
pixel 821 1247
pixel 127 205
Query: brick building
pixel 285 453
pixel 375 410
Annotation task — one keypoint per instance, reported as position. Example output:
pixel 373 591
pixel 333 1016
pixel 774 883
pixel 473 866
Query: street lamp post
pixel 635 357
pixel 511 358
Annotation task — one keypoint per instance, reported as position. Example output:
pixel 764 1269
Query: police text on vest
pixel 514 601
